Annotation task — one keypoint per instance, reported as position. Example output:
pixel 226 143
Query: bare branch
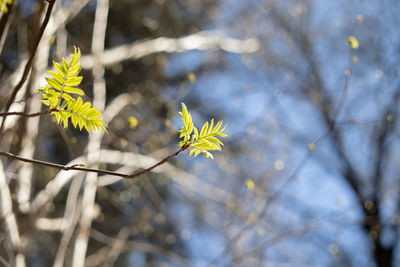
pixel 29 63
pixel 204 40
pixel 117 247
pixel 71 218
pixel 99 100
pixel 141 246
pixel 303 162
pixel 128 159
pixel 10 220
pixel 23 114
pixel 5 22
pixel 76 167
pixel 47 224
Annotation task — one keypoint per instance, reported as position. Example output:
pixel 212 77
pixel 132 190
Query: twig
pixel 29 63
pixel 23 114
pixel 81 168
pixel 281 188
pixel 132 160
pixel 140 246
pixel 5 23
pixel 280 236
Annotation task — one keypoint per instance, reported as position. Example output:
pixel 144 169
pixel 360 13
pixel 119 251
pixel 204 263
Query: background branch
pixel 10 221
pixel 204 40
pixel 29 63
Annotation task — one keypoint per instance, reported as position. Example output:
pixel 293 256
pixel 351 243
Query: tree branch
pixel 204 40
pixel 23 114
pixel 94 144
pixel 129 161
pixel 139 246
pixel 5 23
pixel 10 222
pixel 29 63
pixel 78 167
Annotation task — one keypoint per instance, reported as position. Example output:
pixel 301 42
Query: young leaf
pixel 187 125
pixel 56 95
pixel 203 142
pixel 65 78
pixel 84 116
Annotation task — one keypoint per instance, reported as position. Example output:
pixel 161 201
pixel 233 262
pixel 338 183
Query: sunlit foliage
pixel 57 96
pixel 200 142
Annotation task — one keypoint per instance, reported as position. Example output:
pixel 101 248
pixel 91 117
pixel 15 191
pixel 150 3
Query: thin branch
pixel 183 148
pixel 117 247
pixel 204 40
pixel 6 208
pixel 76 167
pixel 65 15
pixel 23 114
pixel 28 136
pixel 303 162
pixel 72 213
pixel 29 63
pixel 140 246
pixel 132 160
pixel 4 262
pixel 94 144
pixel 53 224
pixel 288 233
pixel 5 23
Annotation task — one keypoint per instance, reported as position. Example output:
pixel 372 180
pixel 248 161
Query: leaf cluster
pixel 57 96
pixel 200 142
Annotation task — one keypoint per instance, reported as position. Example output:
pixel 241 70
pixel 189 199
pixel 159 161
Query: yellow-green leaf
pixel 65 79
pixel 203 142
pixel 54 84
pixel 73 90
pixel 75 81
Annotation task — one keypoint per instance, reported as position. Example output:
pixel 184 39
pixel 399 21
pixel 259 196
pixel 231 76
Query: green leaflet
pixel 203 141
pixel 3 5
pixel 56 95
pixel 187 124
pixel 65 78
